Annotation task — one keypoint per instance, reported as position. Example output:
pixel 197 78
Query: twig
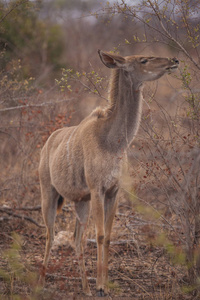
pixel 5 218
pixel 13 8
pixel 153 265
pixel 122 242
pixel 171 37
pixel 10 213
pixel 31 208
pixel 69 278
pixel 161 216
pixel 141 222
pixel 34 105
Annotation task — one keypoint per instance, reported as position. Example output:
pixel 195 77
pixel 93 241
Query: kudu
pixel 83 163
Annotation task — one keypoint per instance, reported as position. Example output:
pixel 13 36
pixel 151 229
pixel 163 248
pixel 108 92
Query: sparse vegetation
pixel 158 214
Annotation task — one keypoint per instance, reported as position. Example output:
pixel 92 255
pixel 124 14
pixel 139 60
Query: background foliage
pixel 51 76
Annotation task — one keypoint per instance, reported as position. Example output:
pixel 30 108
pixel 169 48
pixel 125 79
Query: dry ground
pixel 138 268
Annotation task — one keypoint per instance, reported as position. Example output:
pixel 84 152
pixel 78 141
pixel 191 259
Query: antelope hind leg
pixel 82 210
pixel 49 207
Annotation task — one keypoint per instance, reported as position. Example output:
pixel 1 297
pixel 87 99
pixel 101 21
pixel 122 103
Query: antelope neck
pixel 126 108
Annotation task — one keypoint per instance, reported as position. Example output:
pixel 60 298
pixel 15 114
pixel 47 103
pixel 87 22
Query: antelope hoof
pixel 88 293
pixel 41 281
pixel 101 293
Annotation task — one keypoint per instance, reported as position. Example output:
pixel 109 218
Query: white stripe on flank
pixel 70 137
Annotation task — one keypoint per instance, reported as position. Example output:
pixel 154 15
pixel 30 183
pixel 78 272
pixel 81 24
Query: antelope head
pixel 140 68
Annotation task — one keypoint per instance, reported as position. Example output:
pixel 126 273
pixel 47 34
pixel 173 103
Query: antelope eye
pixel 144 61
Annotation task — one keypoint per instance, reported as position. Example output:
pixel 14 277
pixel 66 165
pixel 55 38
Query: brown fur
pixel 107 111
pixel 84 163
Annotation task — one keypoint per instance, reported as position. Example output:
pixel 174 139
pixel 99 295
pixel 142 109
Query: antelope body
pixel 84 163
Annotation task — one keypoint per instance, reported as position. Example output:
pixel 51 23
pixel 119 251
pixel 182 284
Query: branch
pixel 13 8
pixel 122 242
pixel 141 222
pixel 34 105
pixel 171 37
pixel 164 33
pixel 69 278
pixel 10 213
pixel 31 208
pixel 4 218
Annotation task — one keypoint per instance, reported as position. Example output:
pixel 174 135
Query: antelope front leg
pixel 110 205
pixel 98 216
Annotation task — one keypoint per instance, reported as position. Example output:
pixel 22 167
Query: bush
pixel 36 41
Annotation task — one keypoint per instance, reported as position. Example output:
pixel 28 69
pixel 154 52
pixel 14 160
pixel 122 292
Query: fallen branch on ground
pixel 10 213
pixel 69 278
pixel 30 208
pixel 122 242
pixel 5 218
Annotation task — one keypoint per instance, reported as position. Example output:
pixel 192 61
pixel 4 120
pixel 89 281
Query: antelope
pixel 84 163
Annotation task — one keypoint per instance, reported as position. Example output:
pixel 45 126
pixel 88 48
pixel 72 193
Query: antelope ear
pixel 112 60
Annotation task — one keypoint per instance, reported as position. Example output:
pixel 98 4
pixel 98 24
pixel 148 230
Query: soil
pixel 138 269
